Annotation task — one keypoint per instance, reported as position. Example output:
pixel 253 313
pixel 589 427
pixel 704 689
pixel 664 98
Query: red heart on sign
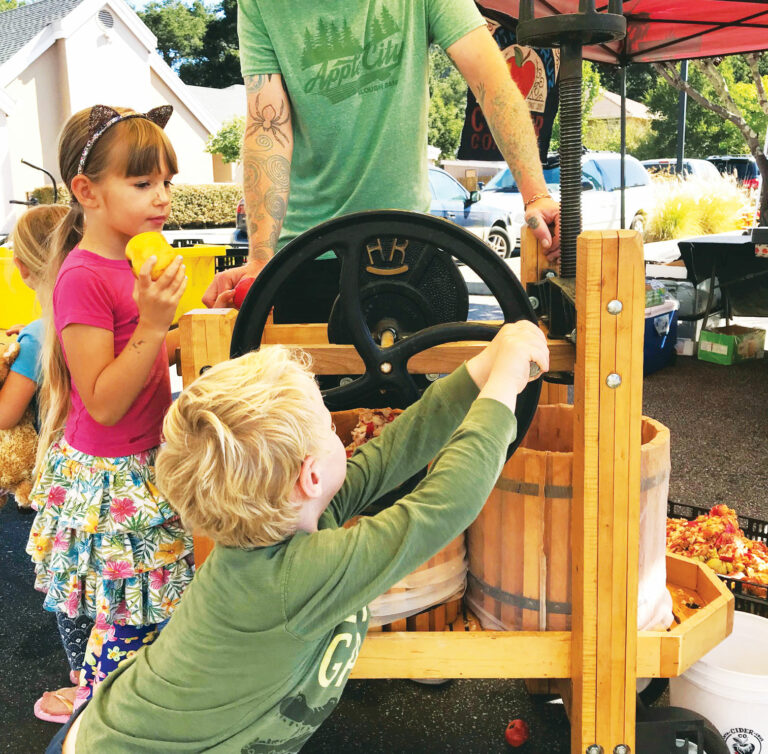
pixel 523 72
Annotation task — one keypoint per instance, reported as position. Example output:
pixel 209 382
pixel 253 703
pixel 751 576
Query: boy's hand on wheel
pixel 503 368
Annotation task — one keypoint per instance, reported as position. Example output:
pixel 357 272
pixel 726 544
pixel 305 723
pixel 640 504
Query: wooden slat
pixel 204 338
pixel 533 539
pixel 609 699
pixel 533 261
pixel 629 350
pixel 205 341
pixel 585 487
pixel 559 475
pixel 606 489
pixel 492 549
pixel 461 654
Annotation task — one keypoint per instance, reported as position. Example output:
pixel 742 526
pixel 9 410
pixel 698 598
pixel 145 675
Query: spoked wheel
pixel 384 294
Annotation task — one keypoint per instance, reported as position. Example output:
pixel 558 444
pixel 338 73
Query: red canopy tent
pixel 659 30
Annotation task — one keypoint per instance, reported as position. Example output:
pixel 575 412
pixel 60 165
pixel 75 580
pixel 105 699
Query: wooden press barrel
pixel 429 598
pixel 519 546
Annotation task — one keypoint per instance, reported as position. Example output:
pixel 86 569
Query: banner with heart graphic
pixel 535 71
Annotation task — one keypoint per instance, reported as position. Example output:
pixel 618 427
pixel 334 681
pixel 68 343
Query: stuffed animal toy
pixel 17 445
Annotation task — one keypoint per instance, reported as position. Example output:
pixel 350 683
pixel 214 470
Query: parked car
pixel 601 197
pixel 744 166
pixel 691 167
pixel 475 211
pixel 486 219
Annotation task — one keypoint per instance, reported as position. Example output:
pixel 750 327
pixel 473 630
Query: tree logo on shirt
pixel 341 66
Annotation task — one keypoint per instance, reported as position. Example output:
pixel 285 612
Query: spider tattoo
pixel 268 120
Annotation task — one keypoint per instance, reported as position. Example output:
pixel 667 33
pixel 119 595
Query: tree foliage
pixel 590 91
pixel 706 133
pixel 728 113
pixel 218 62
pixel 640 79
pixel 447 104
pixel 179 28
pixel 10 4
pixel 228 140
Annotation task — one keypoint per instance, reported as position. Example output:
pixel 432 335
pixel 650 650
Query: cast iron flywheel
pixel 385 294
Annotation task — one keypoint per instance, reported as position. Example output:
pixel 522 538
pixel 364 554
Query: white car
pixel 601 196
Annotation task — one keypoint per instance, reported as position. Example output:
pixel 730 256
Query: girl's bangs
pixel 142 149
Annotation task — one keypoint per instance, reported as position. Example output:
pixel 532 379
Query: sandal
pixel 61 718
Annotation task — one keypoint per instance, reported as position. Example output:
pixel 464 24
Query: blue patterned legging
pixel 108 646
pixel 74 633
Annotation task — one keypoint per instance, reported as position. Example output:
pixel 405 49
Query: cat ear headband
pixel 103 118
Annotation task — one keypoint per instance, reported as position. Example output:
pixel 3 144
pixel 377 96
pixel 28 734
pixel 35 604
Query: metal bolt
pixel 345 381
pixel 432 376
pixel 571 336
pixel 621 749
pixel 534 302
pixel 615 307
pixel 549 274
pixel 613 380
pixel 386 367
pixel 595 749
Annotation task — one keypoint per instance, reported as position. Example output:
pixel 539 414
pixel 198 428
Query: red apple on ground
pixel 517 733
pixel 241 290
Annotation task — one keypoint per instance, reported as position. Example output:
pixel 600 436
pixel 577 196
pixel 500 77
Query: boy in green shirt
pixel 261 646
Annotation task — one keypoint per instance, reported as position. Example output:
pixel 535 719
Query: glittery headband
pixel 103 118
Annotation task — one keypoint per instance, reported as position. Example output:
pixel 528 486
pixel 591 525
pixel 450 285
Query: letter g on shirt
pixel 342 652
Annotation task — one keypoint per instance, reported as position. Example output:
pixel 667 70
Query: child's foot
pixel 56 706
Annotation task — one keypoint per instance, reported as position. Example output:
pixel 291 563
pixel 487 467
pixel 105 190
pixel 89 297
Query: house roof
pixel 222 104
pixel 608 106
pixel 21 25
pixel 26 32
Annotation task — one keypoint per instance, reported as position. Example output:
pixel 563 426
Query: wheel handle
pixel 350 237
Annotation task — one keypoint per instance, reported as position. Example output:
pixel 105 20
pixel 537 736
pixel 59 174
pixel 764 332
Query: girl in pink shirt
pixel 105 542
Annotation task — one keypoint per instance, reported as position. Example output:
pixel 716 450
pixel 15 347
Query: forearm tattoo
pixel 266 173
pixel 509 119
pixel 254 84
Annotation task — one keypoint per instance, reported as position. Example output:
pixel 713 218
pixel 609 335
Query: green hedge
pixel 209 205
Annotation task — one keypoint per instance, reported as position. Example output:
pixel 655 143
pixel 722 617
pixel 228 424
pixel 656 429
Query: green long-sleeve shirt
pixel 259 650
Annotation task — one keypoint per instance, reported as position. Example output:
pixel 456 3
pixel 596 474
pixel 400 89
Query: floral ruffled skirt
pixel 104 542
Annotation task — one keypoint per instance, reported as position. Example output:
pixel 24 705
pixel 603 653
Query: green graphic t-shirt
pixel 356 75
pixel 259 650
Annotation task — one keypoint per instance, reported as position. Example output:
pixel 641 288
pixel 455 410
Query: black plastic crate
pixel 236 256
pixel 753 528
pixel 186 243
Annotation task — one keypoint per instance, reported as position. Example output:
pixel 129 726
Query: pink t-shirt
pixel 92 290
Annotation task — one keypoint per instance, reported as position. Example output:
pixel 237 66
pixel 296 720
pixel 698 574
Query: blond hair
pixel 32 234
pixel 235 441
pixel 131 147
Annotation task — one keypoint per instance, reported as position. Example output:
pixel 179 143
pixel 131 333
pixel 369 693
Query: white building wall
pixel 33 130
pixel 187 135
pixel 91 66
pixel 107 67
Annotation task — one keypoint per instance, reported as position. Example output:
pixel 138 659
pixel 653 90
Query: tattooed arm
pixel 266 156
pixel 267 151
pixel 479 60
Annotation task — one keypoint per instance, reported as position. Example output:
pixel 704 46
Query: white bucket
pixel 729 686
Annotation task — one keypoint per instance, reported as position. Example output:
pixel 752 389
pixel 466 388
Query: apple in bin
pixel 241 290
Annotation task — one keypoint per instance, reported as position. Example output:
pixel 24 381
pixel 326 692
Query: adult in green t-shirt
pixel 338 99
